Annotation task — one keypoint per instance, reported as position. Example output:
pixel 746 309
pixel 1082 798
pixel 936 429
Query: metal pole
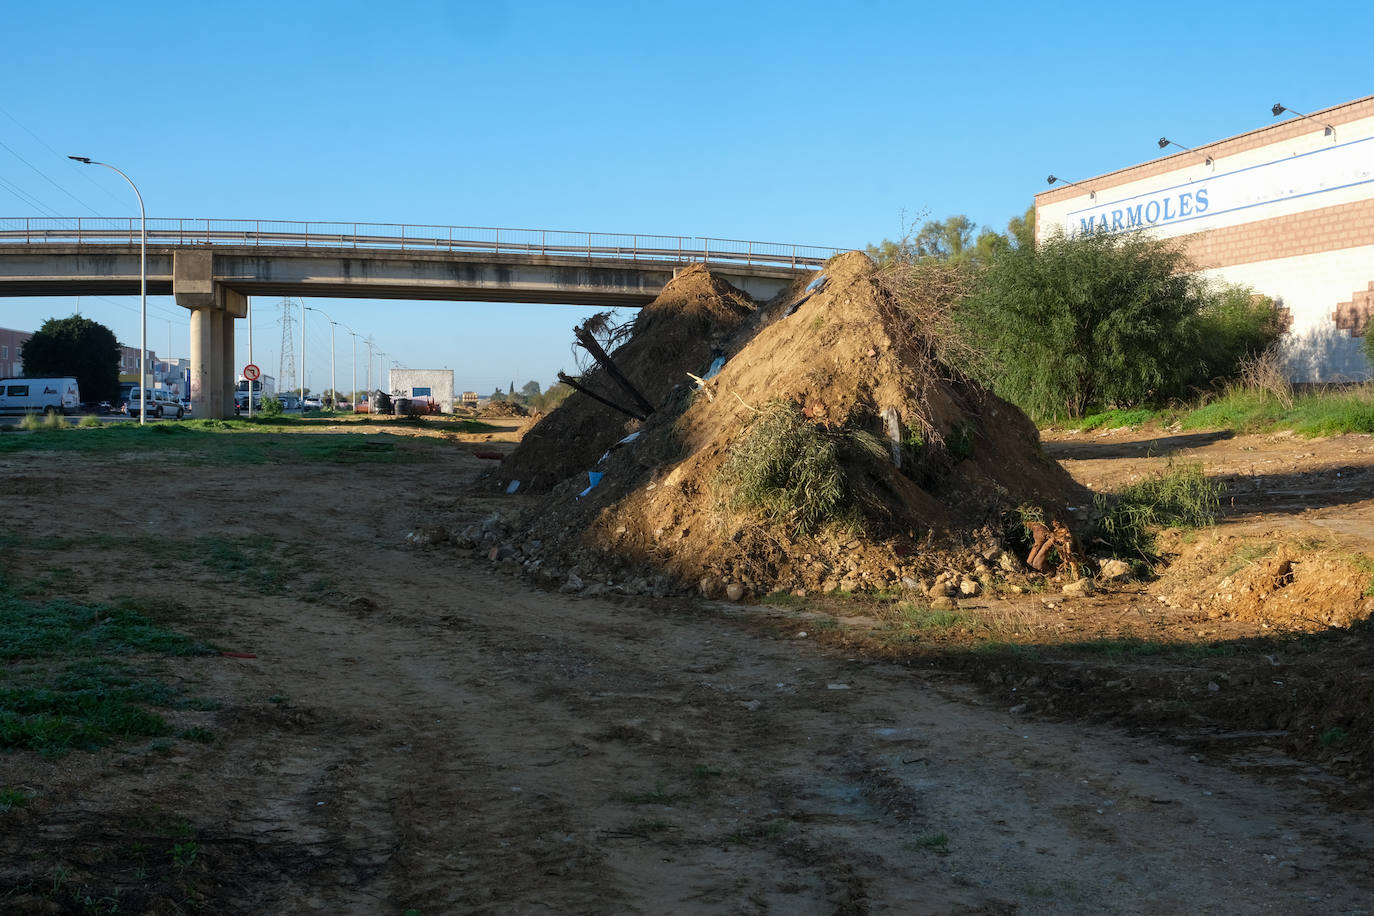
pixel 333 371
pixel 249 300
pixel 302 356
pixel 142 289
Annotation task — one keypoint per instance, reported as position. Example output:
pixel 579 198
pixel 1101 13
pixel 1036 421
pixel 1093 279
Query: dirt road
pixel 418 731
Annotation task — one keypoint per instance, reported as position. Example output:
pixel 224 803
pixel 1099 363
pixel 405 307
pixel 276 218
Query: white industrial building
pixel 434 385
pixel 1287 209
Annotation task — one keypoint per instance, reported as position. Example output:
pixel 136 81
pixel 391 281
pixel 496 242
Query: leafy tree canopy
pixel 79 347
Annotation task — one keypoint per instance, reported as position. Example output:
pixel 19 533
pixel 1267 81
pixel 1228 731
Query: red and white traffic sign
pixel 251 372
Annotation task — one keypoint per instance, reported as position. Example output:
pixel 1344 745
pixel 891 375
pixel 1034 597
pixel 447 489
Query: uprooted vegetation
pixel 815 442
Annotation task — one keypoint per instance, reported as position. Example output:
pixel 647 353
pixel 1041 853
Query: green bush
pixel 271 407
pixel 1106 321
pixel 797 472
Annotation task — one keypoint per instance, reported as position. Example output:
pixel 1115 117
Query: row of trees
pixel 530 395
pixel 1074 324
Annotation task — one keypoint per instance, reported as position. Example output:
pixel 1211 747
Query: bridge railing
pixel 395 236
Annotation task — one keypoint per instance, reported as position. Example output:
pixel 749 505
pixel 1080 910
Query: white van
pixel 39 395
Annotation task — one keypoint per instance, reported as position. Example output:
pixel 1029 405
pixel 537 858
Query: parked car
pixel 186 405
pixel 160 403
pixel 312 402
pixel 289 401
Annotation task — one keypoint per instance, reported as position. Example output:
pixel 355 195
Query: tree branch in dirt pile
pixel 589 343
pixel 919 309
pixel 579 385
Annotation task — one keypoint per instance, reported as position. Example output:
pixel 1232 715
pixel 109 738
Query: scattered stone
pixel 573 584
pixel 427 536
pixel 734 591
pixel 913 585
pixel 943 603
pixel 1079 589
pixel 969 588
pixel 361 605
pixel 941 589
pixel 1114 570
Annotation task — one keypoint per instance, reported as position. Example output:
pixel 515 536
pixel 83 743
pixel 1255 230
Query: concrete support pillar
pixel 202 338
pixel 214 394
pixel 227 370
pixel 233 305
pixel 213 310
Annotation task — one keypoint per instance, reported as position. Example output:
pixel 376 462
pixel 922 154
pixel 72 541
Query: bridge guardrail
pixel 397 236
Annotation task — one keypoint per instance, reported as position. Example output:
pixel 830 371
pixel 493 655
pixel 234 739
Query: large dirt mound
pixel 683 330
pixel 852 361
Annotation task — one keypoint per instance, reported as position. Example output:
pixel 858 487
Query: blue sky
pixel 814 123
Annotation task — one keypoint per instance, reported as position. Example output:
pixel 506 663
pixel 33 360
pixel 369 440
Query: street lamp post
pixel 142 289
pixel 353 392
pixel 303 356
pixel 333 375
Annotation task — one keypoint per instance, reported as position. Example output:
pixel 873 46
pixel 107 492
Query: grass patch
pixel 935 842
pixel 1318 413
pixel 1180 496
pixel 914 616
pixel 282 441
pixel 74 678
pixel 255 563
pixel 13 797
pixel 768 832
pixel 1248 555
pixel 659 796
pixel 1333 736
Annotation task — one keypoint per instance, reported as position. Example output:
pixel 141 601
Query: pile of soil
pixel 502 409
pixel 850 358
pixel 1280 582
pixel 691 323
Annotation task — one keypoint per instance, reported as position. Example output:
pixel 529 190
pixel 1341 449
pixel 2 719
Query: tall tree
pixel 79 347
pixel 947 239
pixel 1021 229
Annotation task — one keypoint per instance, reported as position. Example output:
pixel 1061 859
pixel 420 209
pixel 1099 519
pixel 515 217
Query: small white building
pixel 1287 209
pixel 435 385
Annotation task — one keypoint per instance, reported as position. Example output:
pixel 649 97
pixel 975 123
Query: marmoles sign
pixel 1199 203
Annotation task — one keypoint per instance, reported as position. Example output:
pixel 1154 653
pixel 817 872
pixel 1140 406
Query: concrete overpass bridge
pixel 211 266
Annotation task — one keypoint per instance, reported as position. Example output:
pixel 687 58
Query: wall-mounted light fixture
pixel 1052 179
pixel 1279 109
pixel 1165 141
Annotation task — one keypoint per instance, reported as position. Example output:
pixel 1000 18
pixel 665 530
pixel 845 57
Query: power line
pixel 46 178
pixel 84 173
pixel 27 198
